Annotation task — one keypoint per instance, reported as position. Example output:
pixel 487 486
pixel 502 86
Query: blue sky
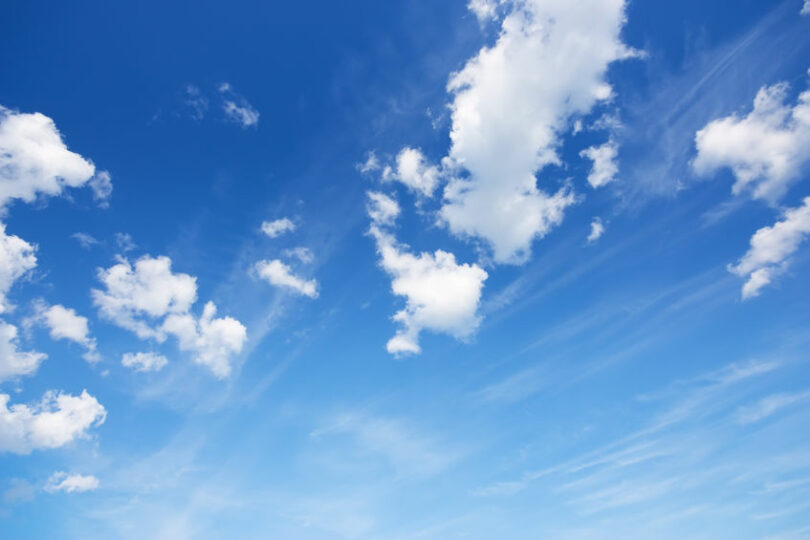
pixel 507 269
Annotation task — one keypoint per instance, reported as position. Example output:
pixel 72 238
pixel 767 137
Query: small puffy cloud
pixel 124 242
pixel 381 208
pixel 34 160
pixel 604 167
pixel 765 150
pixel 237 108
pixel 511 103
pixel 371 164
pixel 771 248
pixel 144 361
pixel 413 170
pixel 71 483
pixel 55 421
pixel 441 295
pixel 102 188
pixel 277 227
pixel 806 8
pixel 13 362
pixel 279 274
pixel 303 254
pixel 212 341
pixel 16 258
pixel 65 323
pixel 597 230
pixel 135 295
pixel 485 10
pixel 84 240
pixel 153 302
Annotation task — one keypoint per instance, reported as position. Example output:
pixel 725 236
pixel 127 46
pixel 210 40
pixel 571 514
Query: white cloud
pixel 84 239
pixel 485 10
pixel 279 274
pixel 237 108
pixel 767 406
pixel 71 483
pixel 65 323
pixel 510 104
pixel 148 290
pixel 124 241
pixel 13 362
pixel 413 170
pixel 381 208
pixel 101 185
pixel 441 295
pixel 806 8
pixel 303 254
pixel 16 258
pixel 597 230
pixel 371 164
pixel 34 160
pixel 197 102
pixel 144 361
pixel 276 228
pixel 213 342
pixel 604 167
pixel 771 248
pixel 55 421
pixel 765 150
pixel 152 301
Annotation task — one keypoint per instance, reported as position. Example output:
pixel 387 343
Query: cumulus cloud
pixel 65 323
pixel 371 164
pixel 71 483
pixel 765 150
pixel 441 295
pixel 55 421
pixel 14 362
pixel 136 295
pixel 381 208
pixel 806 8
pixel 413 170
pixel 153 302
pixel 597 230
pixel 34 160
pixel 511 102
pixel 771 248
pixel 124 242
pixel 212 341
pixel 16 259
pixel 277 227
pixel 303 254
pixel 279 274
pixel 485 10
pixel 144 361
pixel 237 108
pixel 604 167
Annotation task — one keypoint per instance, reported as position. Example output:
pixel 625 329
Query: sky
pixel 405 270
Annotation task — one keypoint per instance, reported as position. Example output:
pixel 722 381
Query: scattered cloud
pixel 196 101
pixel 303 254
pixel 806 8
pixel 371 164
pixel 84 240
pixel 237 108
pixel 16 259
pixel 279 274
pixel 277 227
pixel 413 170
pixel 124 242
pixel 597 230
pixel 102 188
pixel 605 168
pixel 55 421
pixel 34 160
pixel 441 295
pixel 771 248
pixel 13 362
pixel 71 483
pixel 485 10
pixel 765 150
pixel 510 102
pixel 153 302
pixel 381 208
pixel 65 323
pixel 144 361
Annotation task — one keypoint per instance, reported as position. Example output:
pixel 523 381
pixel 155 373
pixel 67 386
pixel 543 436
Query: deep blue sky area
pixel 505 269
